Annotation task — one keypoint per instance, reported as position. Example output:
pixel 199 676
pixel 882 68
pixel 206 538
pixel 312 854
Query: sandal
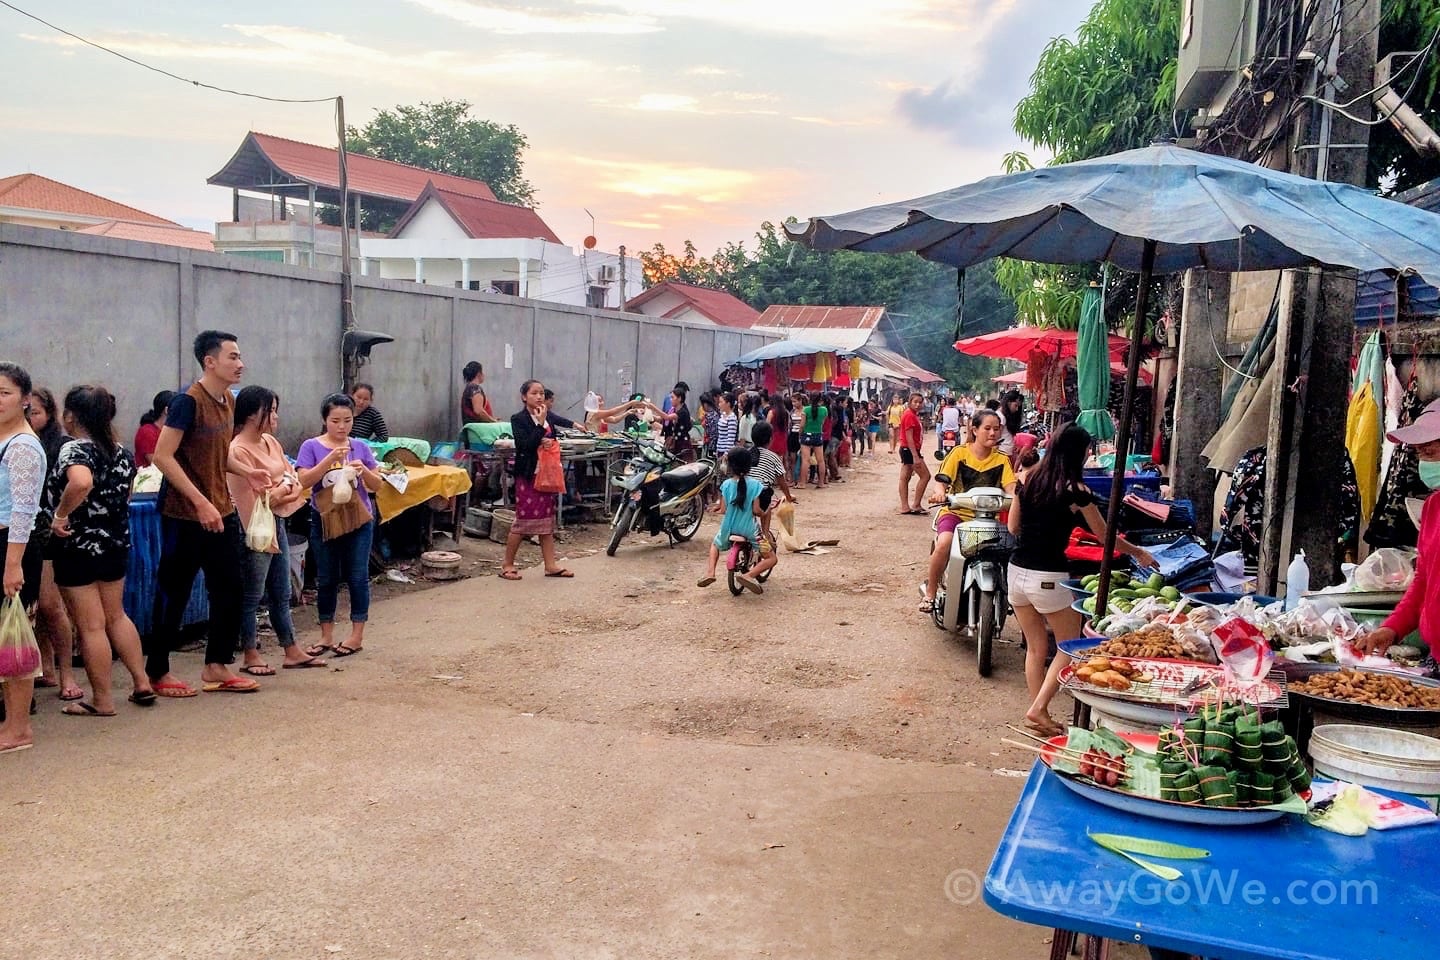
pixel 347 651
pixel 82 709
pixel 562 572
pixel 258 670
pixel 319 650
pixel 143 698
pixel 927 605
pixel 511 574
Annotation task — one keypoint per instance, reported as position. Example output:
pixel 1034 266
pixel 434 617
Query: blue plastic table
pixel 1282 889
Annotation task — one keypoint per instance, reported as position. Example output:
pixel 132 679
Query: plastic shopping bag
pixel 343 489
pixel 260 531
pixel 1387 569
pixel 549 472
pixel 19 654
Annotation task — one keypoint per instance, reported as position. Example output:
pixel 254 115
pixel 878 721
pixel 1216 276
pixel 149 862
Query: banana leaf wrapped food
pixel 1244 788
pixel 1187 786
pixel 1275 744
pixel 1216 788
pixel 1249 752
pixel 1262 789
pixel 1219 744
pixel 1172 772
pixel 1295 771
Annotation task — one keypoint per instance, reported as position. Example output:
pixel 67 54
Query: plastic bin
pixel 1100 481
pixel 141 576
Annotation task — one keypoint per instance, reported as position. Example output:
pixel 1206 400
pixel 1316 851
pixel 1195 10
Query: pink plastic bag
pixel 1244 650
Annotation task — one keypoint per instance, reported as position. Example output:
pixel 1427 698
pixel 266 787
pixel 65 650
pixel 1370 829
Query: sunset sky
pixel 667 120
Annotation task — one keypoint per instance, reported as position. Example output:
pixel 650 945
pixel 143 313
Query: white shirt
pixel 950 419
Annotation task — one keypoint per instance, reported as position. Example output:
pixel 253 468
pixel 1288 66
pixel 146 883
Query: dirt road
pixel 619 765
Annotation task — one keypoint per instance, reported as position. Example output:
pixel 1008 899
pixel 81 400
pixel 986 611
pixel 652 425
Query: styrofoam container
pixel 1379 757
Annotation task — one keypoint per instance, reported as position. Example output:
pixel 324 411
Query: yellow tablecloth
pixel 425 482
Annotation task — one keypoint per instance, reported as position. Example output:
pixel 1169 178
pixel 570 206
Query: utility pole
pixel 622 277
pixel 1304 464
pixel 349 360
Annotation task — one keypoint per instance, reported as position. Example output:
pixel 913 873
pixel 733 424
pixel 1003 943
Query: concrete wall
pixel 76 308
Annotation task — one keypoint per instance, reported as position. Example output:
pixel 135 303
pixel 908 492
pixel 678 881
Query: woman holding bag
pixel 534 430
pixel 343 473
pixel 89 499
pixel 267 564
pixel 22 477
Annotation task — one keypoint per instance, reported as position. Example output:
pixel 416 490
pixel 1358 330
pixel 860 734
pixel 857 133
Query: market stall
pixel 794 364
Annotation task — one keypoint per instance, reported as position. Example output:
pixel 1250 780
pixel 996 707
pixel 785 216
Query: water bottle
pixel 1297 581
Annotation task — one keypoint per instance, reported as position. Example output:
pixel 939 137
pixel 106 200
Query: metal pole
pixel 1122 430
pixel 349 366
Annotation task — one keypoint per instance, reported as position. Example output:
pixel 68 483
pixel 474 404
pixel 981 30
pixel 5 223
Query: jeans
pixel 267 577
pixel 186 548
pixel 344 559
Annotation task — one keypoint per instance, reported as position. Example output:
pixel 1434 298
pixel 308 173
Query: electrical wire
pixel 1414 81
pixel 155 69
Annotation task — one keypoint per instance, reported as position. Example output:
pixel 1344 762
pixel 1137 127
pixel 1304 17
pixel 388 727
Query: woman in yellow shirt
pixel 892 417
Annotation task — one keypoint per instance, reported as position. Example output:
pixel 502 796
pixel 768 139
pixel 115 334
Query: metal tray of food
pixel 1297 671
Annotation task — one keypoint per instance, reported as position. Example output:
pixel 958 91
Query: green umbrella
pixel 1092 368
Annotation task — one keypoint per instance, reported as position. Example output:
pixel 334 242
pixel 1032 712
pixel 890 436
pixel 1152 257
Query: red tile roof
pixel 169 235
pixel 313 164
pixel 720 307
pixel 794 317
pixel 30 191
pixel 481 218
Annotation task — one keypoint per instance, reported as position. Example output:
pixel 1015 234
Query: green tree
pixel 444 137
pixel 1408 25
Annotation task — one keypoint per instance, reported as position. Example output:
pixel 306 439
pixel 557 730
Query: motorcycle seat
pixel 685 476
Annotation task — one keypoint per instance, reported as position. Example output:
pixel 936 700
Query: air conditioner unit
pixel 606 273
pixel 1217 39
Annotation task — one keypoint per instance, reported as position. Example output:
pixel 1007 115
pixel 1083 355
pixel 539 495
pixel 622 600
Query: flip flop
pixel 233 685
pixel 82 709
pixel 176 690
pixel 750 583
pixel 318 649
pixel 510 575
pixel 347 651
pixel 77 695
pixel 143 698
pixel 303 664
pixel 46 682
pixel 704 581
pixel 562 572
pixel 258 670
pixel 16 748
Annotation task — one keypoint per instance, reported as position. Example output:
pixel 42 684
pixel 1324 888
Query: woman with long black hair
pixel 1046 509
pixel 151 423
pixel 812 439
pixel 88 496
pixel 533 427
pixel 1012 417
pixel 22 478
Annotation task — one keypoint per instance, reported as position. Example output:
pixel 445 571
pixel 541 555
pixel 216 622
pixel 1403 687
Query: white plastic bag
pixel 260 531
pixel 344 487
pixel 1387 569
pixel 19 653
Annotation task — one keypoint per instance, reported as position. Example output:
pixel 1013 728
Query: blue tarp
pixel 1201 211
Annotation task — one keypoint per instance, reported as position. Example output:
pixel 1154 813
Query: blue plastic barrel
pixel 140 578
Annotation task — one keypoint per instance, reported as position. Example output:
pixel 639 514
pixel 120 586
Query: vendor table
pixel 424 484
pixel 1272 891
pixel 140 577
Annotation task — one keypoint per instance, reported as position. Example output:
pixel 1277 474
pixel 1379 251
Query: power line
pixel 155 69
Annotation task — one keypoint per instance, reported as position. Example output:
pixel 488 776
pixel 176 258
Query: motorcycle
pixel 973 594
pixel 739 560
pixel 949 439
pixel 660 493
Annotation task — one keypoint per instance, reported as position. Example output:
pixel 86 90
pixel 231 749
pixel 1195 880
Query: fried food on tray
pixel 1155 642
pixel 1371 689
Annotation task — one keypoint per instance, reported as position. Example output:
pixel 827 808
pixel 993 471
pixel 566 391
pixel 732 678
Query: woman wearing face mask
pixel 1420 607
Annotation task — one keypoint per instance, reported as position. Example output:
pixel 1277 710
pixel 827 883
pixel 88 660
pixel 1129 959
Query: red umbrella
pixel 1118 369
pixel 1017 342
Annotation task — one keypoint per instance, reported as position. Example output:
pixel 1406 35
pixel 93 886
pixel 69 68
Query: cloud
pixel 666 102
pixel 830 122
pixel 637 224
pixel 825 18
pixel 646 178
pixel 514 20
pixel 317 51
pixel 976 110
pixel 704 70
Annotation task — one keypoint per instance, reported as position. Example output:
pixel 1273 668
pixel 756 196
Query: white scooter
pixel 974 594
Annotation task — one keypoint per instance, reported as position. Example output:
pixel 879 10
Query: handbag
pixel 549 471
pixel 19 653
pixel 260 531
pixel 338 519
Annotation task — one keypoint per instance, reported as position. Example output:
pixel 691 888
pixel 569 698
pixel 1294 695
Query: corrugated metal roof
pixel 809 317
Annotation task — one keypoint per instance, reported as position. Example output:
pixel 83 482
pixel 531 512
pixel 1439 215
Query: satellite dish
pixel 589 243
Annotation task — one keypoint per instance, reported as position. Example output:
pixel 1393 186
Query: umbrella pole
pixel 1122 430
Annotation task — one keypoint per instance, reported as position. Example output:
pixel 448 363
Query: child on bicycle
pixel 742 515
pixel 768 470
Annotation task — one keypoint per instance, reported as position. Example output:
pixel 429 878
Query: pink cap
pixel 1425 428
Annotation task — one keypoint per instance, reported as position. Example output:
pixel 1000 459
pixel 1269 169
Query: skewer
pixel 1027 734
pixel 1063 751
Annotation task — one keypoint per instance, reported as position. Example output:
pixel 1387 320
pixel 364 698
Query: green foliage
pixel 919 295
pixel 444 137
pixel 1109 89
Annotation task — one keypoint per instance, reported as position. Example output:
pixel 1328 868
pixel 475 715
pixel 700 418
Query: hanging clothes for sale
pixel 1035 366
pixel 801 367
pixel 1051 396
pixel 771 380
pixel 1362 442
pixel 1390 524
pixel 855 368
pixel 824 367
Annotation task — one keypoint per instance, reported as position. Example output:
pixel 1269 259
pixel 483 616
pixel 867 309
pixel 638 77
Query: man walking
pixel 200 529
pixel 912 456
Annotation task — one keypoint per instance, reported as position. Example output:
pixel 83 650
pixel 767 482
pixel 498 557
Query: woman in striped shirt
pixel 727 425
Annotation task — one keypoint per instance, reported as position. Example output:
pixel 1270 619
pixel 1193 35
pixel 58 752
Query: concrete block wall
pixel 76 308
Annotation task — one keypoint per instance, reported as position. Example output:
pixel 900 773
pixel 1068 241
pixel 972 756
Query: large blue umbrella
pixel 1092 368
pixel 1162 208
